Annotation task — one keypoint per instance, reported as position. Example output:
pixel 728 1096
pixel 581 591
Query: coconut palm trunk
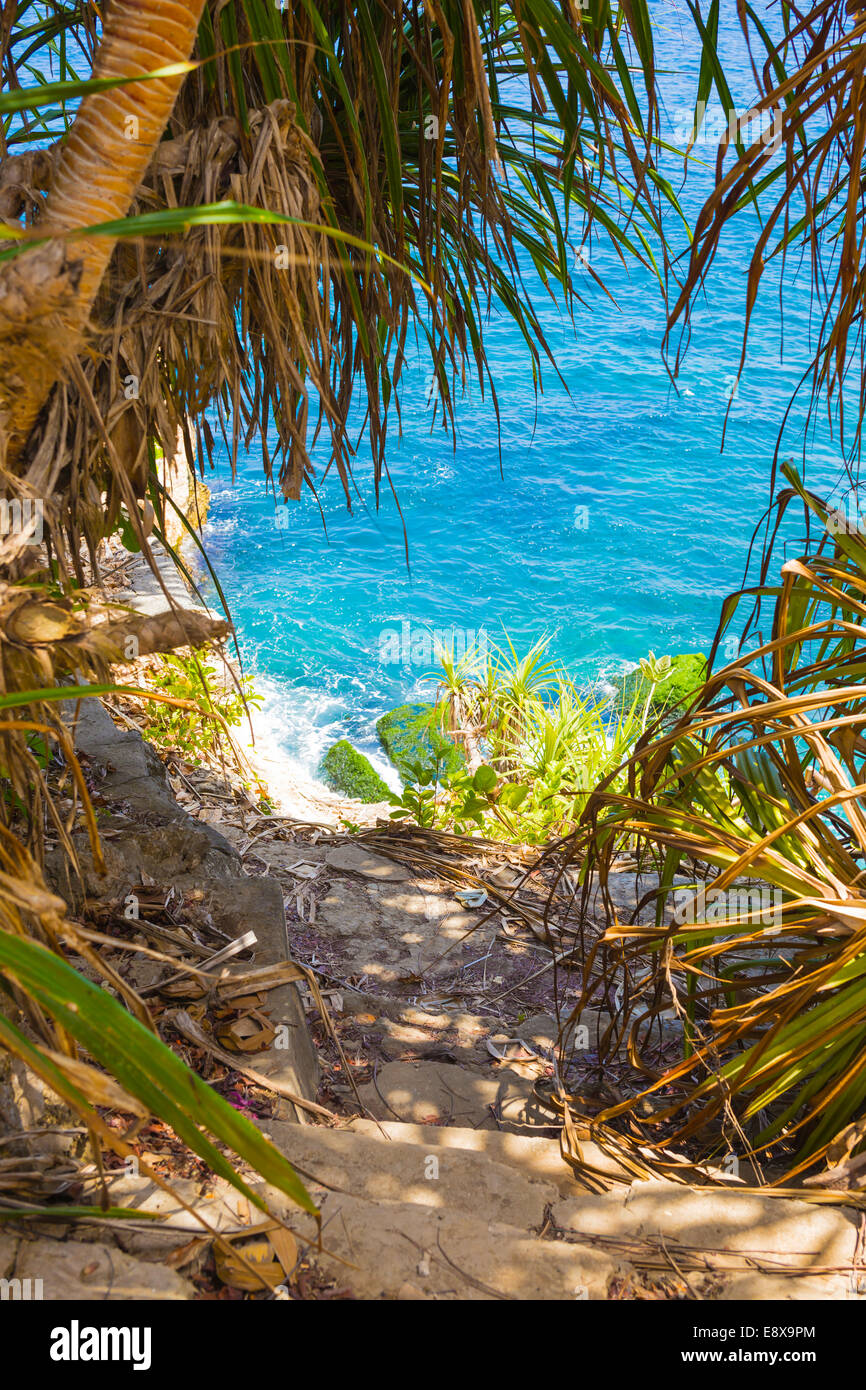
pixel 46 294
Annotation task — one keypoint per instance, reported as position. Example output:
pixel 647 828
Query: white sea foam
pixel 295 727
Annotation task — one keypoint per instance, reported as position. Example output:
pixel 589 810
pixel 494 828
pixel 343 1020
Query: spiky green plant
pixel 535 746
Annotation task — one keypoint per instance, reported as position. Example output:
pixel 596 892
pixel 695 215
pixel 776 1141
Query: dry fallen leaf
pixel 183 1254
pixel 252 1033
pixel 285 1248
pixel 303 870
pixel 258 1252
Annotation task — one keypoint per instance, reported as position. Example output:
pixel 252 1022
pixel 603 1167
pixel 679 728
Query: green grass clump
pixel 535 745
pixel 346 771
pixel 409 734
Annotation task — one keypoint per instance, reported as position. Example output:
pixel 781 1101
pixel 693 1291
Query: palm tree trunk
pixel 47 293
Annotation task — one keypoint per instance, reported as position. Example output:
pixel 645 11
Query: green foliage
pixel 411 734
pixel 665 681
pixel 188 732
pixel 540 749
pixel 346 771
pixel 417 801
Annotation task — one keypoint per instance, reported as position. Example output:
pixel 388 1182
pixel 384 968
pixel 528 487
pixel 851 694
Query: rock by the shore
pixel 346 771
pixel 409 734
pixel 685 676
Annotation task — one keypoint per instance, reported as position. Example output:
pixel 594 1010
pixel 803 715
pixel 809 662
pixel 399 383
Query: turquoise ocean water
pixel 615 526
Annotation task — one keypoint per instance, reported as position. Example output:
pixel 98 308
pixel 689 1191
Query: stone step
pixel 381 1169
pixel 665 1239
pixel 398 1250
pixel 688 1225
pixel 427 1246
pixel 724 1244
pixel 536 1157
pixel 444 1093
pixel 396 1226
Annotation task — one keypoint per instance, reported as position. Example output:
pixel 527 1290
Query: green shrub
pixel 541 745
pixel 346 771
pixel 187 731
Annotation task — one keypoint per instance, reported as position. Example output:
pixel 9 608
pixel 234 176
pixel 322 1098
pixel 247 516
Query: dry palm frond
pixel 754 801
pixel 359 130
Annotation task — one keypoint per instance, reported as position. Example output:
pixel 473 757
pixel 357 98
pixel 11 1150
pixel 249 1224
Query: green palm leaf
pixel 147 1068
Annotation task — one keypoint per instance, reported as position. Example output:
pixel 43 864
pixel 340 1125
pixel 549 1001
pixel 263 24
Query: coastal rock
pixel 685 676
pixel 409 734
pixel 346 771
pixel 125 769
pixel 256 904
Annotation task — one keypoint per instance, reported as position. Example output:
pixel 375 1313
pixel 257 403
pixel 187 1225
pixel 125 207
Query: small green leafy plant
pixel 193 733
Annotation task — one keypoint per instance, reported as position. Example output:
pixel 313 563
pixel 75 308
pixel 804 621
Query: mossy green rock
pixel 409 734
pixel 343 769
pixel 686 675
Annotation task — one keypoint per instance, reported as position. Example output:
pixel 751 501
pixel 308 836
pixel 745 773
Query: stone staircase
pixel 449 1188
pixel 416 1212
pixel 448 1212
